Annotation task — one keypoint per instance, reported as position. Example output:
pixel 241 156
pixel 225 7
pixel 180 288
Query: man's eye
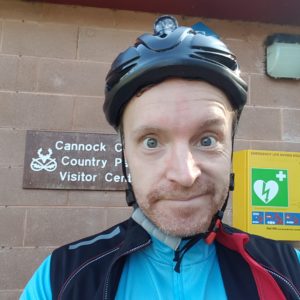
pixel 150 143
pixel 208 141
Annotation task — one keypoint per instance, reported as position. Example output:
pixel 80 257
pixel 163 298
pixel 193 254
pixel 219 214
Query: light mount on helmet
pixel 164 25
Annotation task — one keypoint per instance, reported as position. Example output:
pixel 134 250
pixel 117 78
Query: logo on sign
pixel 269 187
pixel 43 162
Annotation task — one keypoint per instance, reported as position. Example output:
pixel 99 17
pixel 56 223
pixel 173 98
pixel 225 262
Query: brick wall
pixel 53 60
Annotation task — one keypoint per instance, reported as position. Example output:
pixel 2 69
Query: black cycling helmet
pixel 172 52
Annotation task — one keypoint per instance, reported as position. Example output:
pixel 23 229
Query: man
pixel 175 97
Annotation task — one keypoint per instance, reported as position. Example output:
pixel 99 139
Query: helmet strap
pixel 216 220
pixel 210 235
pixel 130 197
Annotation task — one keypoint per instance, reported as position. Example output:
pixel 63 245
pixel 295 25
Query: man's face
pixel 178 147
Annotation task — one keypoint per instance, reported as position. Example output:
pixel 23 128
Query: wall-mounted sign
pixel 73 160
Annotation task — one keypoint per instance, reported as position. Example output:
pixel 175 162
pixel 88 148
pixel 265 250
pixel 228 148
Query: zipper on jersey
pixel 106 284
pixel 285 281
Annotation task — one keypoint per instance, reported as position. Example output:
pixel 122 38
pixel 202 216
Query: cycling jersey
pixel 112 265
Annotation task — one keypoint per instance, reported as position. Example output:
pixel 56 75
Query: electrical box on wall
pixel 266 199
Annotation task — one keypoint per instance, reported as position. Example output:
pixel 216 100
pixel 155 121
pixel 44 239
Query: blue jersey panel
pixel 39 287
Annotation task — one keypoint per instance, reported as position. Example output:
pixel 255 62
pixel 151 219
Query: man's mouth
pixel 185 198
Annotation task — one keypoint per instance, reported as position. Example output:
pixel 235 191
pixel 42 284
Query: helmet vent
pixel 225 60
pixel 112 80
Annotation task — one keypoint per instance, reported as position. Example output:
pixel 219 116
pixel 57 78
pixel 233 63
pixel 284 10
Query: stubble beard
pixel 183 221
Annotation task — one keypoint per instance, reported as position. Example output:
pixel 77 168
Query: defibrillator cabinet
pixel 266 197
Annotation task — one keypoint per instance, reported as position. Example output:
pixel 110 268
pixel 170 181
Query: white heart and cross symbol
pixel 266 191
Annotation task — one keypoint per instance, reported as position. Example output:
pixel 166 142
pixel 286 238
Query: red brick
pixel 18 265
pixel 274 92
pixel 116 215
pixel 90 16
pixel 25 110
pixel 260 31
pixel 58 226
pixel 46 39
pixel 133 20
pixel 12 193
pixel 104 44
pixel 10 295
pixel 13 9
pixel 56 13
pixel 1 26
pixel 27 74
pixel 11 147
pixel 247 31
pixel 291 125
pixel 72 77
pixel 18 73
pixel 275 146
pixel 7 105
pixel 228 29
pixel 241 145
pixel 12 221
pixel 260 124
pixel 97 198
pixel 8 74
pixel 89 116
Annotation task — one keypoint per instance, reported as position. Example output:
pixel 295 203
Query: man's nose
pixel 182 167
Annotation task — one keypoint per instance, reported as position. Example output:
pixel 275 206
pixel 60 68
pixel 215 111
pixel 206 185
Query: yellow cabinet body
pixel 266 199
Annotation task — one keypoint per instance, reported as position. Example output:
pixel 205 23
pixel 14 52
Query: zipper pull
pixel 177 259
